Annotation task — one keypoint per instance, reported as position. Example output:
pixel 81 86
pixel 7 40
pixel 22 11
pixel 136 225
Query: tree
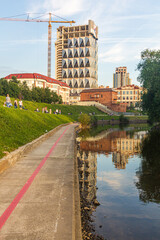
pixel 54 97
pixel 148 183
pixel 14 79
pixel 149 77
pixel 4 87
pixel 14 89
pixel 85 120
pixel 36 94
pixel 60 101
pixel 25 92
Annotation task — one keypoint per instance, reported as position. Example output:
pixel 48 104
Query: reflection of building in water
pixel 87 173
pixel 121 144
pixel 126 147
pixel 119 160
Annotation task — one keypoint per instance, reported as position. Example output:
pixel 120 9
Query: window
pixel 123 92
pixel 130 92
pixel 127 92
pixel 101 96
pixel 123 98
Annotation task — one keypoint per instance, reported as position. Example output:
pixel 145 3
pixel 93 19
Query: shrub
pixel 123 119
pixel 85 120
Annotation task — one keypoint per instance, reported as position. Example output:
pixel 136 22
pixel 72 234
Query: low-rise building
pixel 42 81
pixel 105 96
pixel 130 94
pixel 74 98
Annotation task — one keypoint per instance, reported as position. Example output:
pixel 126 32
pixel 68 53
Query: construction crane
pixel 50 21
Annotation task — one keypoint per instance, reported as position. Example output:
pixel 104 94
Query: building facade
pixel 76 56
pixel 42 81
pixel 130 94
pixel 121 77
pixel 105 96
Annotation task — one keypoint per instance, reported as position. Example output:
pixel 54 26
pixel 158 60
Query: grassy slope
pixel 19 127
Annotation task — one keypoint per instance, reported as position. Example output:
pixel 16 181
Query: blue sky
pixel 126 27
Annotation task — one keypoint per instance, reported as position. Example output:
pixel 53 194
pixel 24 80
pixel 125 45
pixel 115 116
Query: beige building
pixel 74 98
pixel 121 77
pixel 76 53
pixel 42 81
pixel 130 94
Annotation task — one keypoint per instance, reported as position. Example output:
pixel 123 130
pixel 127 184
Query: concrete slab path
pixel 45 209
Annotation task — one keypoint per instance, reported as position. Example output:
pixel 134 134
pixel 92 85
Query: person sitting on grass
pixel 8 101
pixel 37 110
pixel 46 110
pixel 20 104
pixel 15 103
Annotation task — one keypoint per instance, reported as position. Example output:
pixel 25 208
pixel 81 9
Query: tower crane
pixel 50 21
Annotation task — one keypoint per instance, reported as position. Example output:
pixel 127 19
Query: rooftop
pixel 98 90
pixel 36 76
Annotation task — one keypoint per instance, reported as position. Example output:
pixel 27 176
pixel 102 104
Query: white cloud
pixel 113 179
pixel 60 7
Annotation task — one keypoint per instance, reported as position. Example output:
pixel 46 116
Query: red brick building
pixel 105 96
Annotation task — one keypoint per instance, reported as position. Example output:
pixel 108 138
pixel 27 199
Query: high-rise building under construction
pixel 77 56
pixel 121 77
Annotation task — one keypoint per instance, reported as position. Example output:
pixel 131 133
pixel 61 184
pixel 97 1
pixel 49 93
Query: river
pixel 121 170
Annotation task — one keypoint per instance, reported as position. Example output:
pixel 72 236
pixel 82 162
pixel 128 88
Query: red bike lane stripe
pixel 24 189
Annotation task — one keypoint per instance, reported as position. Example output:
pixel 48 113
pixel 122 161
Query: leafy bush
pixel 123 119
pixel 85 120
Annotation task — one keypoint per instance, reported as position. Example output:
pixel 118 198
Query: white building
pixel 42 81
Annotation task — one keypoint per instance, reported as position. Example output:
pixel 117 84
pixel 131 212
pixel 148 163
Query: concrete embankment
pixel 39 193
pixel 116 122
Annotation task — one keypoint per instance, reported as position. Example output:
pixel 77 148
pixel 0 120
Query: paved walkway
pixel 43 197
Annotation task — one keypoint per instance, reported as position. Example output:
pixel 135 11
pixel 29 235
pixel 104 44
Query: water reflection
pixel 112 166
pixel 87 162
pixel 149 170
pixel 122 145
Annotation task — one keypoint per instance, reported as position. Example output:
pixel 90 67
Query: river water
pixel 121 170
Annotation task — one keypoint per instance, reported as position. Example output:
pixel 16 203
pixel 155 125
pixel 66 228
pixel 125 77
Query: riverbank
pixel 113 121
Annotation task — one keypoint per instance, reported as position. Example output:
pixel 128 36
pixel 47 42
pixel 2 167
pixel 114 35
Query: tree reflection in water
pixel 149 173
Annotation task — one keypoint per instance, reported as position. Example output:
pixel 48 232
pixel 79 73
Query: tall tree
pixel 149 77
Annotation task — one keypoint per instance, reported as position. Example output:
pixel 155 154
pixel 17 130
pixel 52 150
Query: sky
pixel 126 28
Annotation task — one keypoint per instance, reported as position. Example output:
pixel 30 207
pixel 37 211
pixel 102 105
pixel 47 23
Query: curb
pixel 14 156
pixel 76 207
